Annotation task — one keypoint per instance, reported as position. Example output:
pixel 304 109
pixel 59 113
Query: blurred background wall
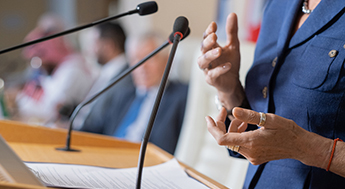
pixel 196 146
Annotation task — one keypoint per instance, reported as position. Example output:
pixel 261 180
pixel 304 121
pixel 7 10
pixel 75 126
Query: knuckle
pixel 206 55
pixel 209 80
pixel 210 40
pixel 221 140
pixel 250 145
pixel 251 116
pixel 255 162
pixel 212 37
pixel 292 123
pixel 199 61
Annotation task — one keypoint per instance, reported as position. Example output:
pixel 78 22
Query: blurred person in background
pixel 61 79
pixel 109 48
pixel 129 110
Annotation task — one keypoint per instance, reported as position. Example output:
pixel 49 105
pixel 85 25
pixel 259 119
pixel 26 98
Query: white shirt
pixel 107 72
pixel 69 84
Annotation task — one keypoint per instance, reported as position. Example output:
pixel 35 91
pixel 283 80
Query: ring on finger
pixel 262 119
pixel 234 148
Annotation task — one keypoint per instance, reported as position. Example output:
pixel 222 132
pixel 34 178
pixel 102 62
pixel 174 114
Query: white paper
pixel 167 175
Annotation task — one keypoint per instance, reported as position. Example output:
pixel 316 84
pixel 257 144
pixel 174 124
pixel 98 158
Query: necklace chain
pixel 305 8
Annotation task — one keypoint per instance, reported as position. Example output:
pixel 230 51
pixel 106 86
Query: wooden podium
pixel 37 144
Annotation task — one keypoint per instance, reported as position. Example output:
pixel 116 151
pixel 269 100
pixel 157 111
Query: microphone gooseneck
pixel 142 9
pixel 180 28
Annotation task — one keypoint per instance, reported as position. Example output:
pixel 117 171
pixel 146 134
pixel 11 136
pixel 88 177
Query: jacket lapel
pixel 288 24
pixel 321 15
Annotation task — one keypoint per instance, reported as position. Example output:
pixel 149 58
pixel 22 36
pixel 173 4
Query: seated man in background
pixel 62 77
pixel 110 53
pixel 130 109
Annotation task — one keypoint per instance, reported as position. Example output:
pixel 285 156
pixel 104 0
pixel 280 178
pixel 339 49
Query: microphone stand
pixel 149 127
pixel 116 80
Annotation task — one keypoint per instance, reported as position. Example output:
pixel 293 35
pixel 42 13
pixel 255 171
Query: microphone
pixel 180 28
pixel 171 36
pixel 116 80
pixel 142 9
pixel 146 8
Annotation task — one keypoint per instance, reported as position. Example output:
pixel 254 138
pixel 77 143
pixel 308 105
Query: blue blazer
pixel 299 76
pixel 169 118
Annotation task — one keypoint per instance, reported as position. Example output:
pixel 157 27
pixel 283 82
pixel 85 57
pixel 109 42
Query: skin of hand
pixel 279 138
pixel 221 64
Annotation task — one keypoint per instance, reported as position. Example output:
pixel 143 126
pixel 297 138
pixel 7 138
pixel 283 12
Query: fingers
pixel 242 127
pixel 211 28
pixel 221 136
pixel 209 43
pixel 219 122
pixel 234 125
pixel 205 60
pixel 248 116
pixel 217 71
pixel 232 30
pixel 222 115
pixel 237 125
pixel 215 129
pixel 253 117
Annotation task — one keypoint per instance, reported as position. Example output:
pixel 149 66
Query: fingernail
pixel 215 51
pixel 226 66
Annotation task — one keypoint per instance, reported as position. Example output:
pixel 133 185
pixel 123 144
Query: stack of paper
pixel 166 175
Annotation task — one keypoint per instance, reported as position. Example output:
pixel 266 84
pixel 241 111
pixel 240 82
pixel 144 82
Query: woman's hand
pixel 278 138
pixel 221 64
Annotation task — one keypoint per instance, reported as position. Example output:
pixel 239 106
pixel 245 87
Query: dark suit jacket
pixel 167 126
pixel 101 104
pixel 306 83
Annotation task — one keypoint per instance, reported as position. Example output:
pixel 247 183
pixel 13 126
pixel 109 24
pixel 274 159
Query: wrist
pixel 232 99
pixel 316 151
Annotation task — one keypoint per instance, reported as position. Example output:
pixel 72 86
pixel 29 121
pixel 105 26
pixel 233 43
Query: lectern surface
pixel 37 144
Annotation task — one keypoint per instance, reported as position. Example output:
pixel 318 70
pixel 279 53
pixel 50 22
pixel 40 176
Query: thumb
pixel 248 116
pixel 232 30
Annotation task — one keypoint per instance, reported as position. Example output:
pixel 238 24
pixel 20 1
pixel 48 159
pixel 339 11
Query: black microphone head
pixel 147 8
pixel 186 34
pixel 180 25
pixel 171 36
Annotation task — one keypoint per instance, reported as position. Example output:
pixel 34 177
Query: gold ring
pixel 262 119
pixel 234 148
